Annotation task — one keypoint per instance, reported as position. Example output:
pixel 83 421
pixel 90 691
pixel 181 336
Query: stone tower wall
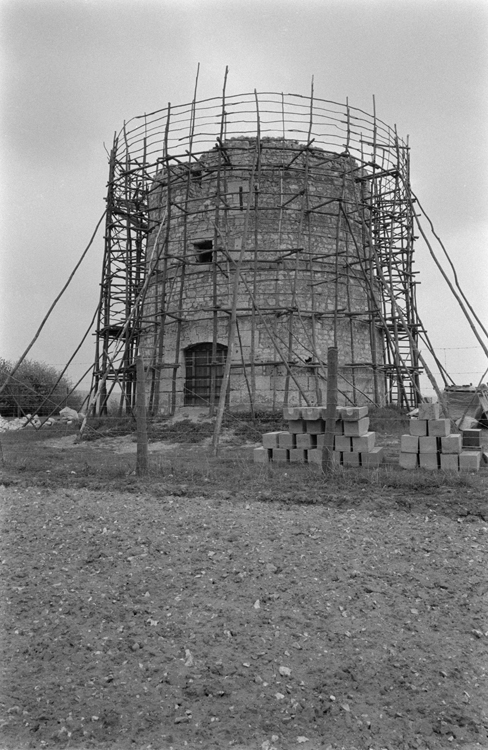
pixel 295 249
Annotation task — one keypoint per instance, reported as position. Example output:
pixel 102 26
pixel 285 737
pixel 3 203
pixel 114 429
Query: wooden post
pixel 141 463
pixel 330 416
pixel 233 317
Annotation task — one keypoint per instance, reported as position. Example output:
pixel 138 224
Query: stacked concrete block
pixel 470 461
pixel 431 445
pixel 471 439
pixel 315 456
pixel 354 443
pixel 472 455
pixel 373 458
pixel 357 445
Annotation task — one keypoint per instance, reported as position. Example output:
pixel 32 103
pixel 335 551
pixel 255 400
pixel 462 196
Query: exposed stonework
pixel 305 231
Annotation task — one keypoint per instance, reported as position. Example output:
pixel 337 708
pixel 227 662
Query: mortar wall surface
pixel 294 218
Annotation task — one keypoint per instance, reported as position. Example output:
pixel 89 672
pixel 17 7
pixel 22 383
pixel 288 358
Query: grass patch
pixel 192 469
pixel 246 427
pixel 183 431
pixel 97 428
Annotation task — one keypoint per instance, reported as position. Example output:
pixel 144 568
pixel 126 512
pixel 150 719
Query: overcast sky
pixel 74 70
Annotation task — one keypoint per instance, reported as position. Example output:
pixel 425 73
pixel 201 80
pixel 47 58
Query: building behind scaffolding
pixel 265 229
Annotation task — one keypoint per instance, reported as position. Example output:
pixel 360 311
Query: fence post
pixel 141 463
pixel 330 415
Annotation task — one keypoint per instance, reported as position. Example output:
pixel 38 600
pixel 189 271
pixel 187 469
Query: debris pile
pixel 70 415
pixel 19 423
pixel 66 416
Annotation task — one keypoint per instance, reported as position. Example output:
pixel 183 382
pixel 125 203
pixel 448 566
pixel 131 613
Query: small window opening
pixel 204 251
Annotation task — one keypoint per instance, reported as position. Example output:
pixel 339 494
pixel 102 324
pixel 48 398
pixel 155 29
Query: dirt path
pixel 150 620
pixel 125 444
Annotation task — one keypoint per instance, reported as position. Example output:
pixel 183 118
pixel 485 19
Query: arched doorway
pixel 198 373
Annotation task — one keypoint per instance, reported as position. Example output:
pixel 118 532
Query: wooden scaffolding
pixel 167 147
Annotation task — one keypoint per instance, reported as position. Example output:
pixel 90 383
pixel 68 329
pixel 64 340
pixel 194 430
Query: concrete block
pixel 356 429
pixel 350 459
pixel 419 427
pixel 374 457
pixel 280 455
pixel 270 439
pixel 339 427
pixel 470 460
pixel 472 438
pixel 298 456
pixel 296 425
pixel 315 427
pixel 261 455
pixel 471 443
pixel 324 413
pixel 409 444
pixel 337 458
pixel 322 437
pixel 365 443
pixel 429 460
pixel 429 445
pixel 306 441
pixel 314 456
pixel 409 460
pixel 439 427
pixel 292 412
pixel 353 413
pixel 452 444
pixel 287 440
pixel 450 461
pixel 311 412
pixel 429 411
pixel 343 443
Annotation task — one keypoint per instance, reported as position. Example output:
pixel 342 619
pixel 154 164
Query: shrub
pixel 35 388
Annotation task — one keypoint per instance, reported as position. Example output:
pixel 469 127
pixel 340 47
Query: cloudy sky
pixel 74 70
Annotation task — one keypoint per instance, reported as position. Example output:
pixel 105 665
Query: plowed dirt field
pixel 271 611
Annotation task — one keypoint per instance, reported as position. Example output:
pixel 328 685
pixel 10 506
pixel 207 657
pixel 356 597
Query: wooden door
pixel 198 373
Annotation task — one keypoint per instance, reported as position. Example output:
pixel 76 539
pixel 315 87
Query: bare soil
pixel 218 604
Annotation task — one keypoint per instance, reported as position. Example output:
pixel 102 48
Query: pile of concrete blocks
pixel 303 442
pixel 431 445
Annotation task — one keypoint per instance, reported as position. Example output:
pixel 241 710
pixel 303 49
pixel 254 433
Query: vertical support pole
pixel 257 240
pixel 141 463
pixel 330 417
pixel 185 247
pixel 215 258
pixel 235 293
pixel 102 340
pixel 162 303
